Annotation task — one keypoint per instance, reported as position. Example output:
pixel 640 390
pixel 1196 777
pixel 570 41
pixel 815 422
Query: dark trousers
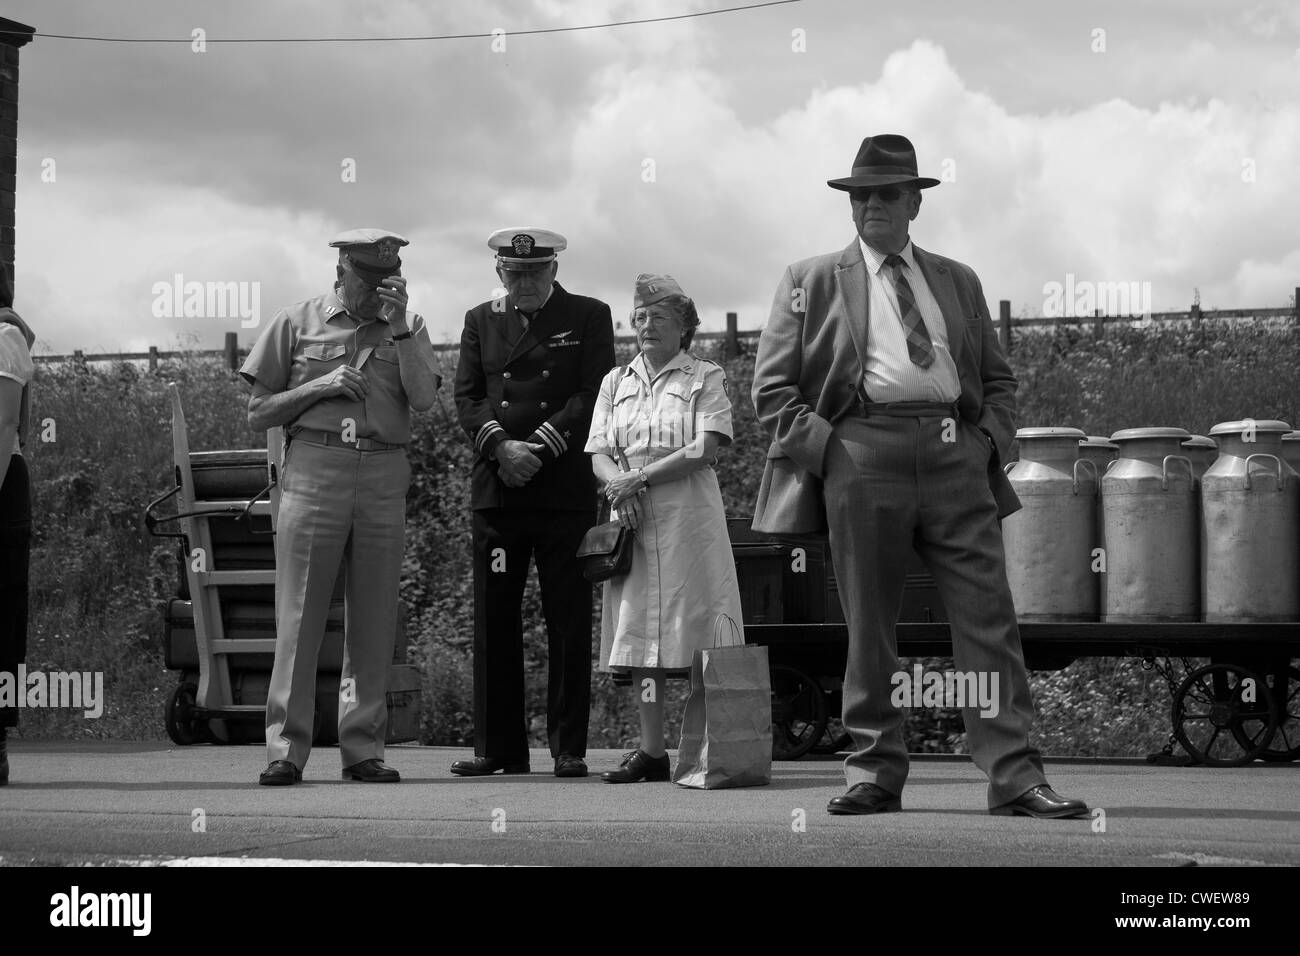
pixel 504 540
pixel 899 483
pixel 15 550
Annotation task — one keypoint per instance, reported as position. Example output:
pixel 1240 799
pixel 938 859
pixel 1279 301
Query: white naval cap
pixel 525 247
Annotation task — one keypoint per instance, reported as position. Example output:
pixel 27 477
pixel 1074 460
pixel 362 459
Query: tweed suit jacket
pixel 809 368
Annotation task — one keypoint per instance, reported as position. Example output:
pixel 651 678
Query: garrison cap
pixel 372 252
pixel 652 288
pixel 525 248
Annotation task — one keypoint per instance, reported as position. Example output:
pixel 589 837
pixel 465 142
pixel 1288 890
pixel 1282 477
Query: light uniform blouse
pixel 15 362
pixel 683 575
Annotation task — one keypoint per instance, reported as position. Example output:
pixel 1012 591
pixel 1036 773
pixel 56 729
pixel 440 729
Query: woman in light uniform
pixel 668 411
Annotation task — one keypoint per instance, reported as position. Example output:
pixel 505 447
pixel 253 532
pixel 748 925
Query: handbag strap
pixel 735 629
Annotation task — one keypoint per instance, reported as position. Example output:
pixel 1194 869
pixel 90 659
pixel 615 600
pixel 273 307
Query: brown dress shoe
pixel 567 765
pixel 1042 802
pixel 482 766
pixel 280 773
pixel 865 798
pixel 372 771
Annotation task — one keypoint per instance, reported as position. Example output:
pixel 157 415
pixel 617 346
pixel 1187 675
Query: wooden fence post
pixel 153 358
pixel 1098 323
pixel 1296 311
pixel 731 344
pixel 1004 320
pixel 232 351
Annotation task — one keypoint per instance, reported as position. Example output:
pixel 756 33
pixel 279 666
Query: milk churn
pixel 1150 529
pixel 1049 541
pixel 1250 526
pixel 1291 450
pixel 1099 450
pixel 1201 451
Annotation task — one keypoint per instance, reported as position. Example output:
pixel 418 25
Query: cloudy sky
pixel 1115 142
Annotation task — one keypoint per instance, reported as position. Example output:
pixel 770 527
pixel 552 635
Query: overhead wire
pixel 407 39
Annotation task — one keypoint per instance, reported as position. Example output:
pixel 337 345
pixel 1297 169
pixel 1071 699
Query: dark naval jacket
pixel 537 386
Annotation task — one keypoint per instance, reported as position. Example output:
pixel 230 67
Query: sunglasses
pixel 886 193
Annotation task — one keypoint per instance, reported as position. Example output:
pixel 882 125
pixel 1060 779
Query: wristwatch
pixel 405 335
pixel 645 481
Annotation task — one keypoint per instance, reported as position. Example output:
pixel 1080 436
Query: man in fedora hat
pixel 891 406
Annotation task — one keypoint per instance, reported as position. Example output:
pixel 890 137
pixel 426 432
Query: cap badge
pixel 386 250
pixel 523 244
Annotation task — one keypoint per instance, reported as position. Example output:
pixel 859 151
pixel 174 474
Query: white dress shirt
pixel 890 374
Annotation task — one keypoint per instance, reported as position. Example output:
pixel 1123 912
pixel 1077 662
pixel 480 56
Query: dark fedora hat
pixel 884 160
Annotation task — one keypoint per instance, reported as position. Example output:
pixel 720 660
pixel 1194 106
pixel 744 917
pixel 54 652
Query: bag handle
pixel 735 629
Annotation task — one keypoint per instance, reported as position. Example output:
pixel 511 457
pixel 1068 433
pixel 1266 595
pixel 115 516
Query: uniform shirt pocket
pixel 323 351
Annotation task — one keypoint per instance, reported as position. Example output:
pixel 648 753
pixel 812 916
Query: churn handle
pixel 1109 465
pixel 1091 464
pixel 1006 469
pixel 1164 470
pixel 1263 454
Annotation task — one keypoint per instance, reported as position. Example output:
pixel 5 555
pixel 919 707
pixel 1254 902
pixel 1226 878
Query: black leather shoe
pixel 1043 802
pixel 280 773
pixel 482 766
pixel 638 765
pixel 371 771
pixel 567 765
pixel 866 798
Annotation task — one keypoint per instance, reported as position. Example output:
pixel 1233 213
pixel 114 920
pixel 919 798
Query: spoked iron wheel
pixel 1223 715
pixel 1284 745
pixel 798 713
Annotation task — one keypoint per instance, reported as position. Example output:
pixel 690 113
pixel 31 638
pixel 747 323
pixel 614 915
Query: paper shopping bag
pixel 727 726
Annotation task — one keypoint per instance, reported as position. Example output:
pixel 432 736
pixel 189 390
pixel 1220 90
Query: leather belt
pixel 911 409
pixel 329 438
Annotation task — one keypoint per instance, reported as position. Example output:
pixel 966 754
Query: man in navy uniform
pixel 531 363
pixel 340 372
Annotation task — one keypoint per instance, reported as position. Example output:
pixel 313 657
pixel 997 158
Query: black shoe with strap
pixel 638 765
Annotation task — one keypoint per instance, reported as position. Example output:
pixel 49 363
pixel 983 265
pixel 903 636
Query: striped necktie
pixel 919 346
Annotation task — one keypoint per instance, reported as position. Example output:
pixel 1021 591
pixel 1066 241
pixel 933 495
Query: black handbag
pixel 606 548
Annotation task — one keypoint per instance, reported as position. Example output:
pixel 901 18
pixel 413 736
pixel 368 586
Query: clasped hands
pixel 518 462
pixel 623 492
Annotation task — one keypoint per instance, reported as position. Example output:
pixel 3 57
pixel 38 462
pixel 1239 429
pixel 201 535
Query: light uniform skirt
pixel 683 576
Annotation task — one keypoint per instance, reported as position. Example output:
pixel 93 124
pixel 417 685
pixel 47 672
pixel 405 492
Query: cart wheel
pixel 182 726
pixel 1213 721
pixel 1284 745
pixel 798 713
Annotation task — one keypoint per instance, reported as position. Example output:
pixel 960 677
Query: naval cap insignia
pixel 523 244
pixel 386 250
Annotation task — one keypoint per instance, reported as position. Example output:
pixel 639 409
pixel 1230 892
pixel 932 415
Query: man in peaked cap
pixel 882 383
pixel 340 373
pixel 531 363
